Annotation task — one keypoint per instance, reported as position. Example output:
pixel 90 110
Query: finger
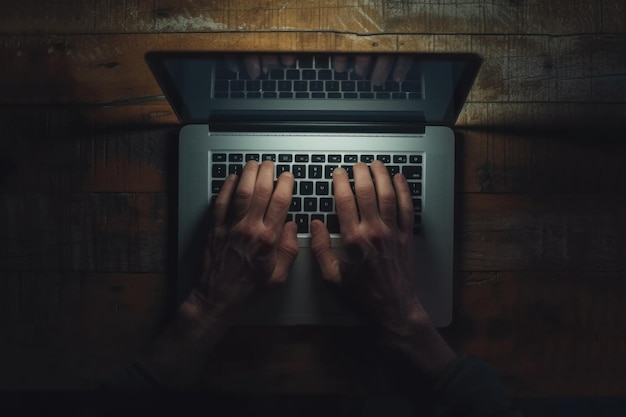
pixel 280 201
pixel 220 206
pixel 324 255
pixel 245 190
pixel 402 67
pixel 362 64
pixel 231 63
pixel 405 203
pixel 287 253
pixel 288 60
pixel 269 62
pixel 385 193
pixel 344 200
pixel 262 190
pixel 253 66
pixel 381 69
pixel 365 193
pixel 340 63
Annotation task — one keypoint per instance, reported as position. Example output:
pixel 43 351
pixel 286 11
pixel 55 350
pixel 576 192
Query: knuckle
pixel 243 194
pixel 365 190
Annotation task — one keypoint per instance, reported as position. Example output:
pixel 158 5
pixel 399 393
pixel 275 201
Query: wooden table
pixel 88 183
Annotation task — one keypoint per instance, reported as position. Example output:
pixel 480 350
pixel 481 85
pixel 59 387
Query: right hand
pixel 378 264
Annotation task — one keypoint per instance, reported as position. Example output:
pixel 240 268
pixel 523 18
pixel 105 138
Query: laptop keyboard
pixel 312 77
pixel 313 190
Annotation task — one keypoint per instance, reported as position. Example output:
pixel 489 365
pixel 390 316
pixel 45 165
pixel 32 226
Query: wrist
pixel 417 339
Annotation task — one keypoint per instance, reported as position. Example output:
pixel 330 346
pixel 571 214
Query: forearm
pixel 416 338
pixel 180 353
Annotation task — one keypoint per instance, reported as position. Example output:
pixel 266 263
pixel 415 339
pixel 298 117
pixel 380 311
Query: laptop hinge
pixel 317 127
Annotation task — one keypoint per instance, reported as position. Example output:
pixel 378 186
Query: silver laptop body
pixel 226 128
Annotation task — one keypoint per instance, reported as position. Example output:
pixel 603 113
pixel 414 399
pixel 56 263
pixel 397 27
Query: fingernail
pixel 339 170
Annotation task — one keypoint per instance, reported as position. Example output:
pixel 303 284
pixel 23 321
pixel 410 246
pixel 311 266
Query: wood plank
pixel 104 232
pixel 560 232
pixel 530 81
pixel 432 16
pixel 75 330
pixel 547 333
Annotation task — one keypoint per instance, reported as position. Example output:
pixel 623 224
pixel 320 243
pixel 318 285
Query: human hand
pixel 383 65
pixel 377 67
pixel 377 266
pixel 250 245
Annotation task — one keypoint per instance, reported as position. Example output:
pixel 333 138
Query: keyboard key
pixel 334 95
pixel 322 188
pixel 254 94
pixel 393 169
pixel 270 94
pixel 416 188
pixel 219 157
pixel 322 61
pixel 325 75
pixel 415 159
pixel 302 95
pixel 350 95
pixel 299 171
pixel 354 76
pixel 366 95
pixel 296 204
pixel 300 86
pixel 399 159
pixel 318 158
pixel 302 221
pixel 253 85
pixel 383 95
pixel 316 86
pixel 284 86
pixel 293 74
pixel 280 169
pixel 237 94
pixel 315 171
pixel 350 159
pixel 318 95
pixel 417 205
pixel 332 86
pixel 306 188
pixel 328 171
pixel 385 159
pixel 237 85
pixel 348 86
pixel 319 217
pixel 367 158
pixel 332 223
pixel 305 61
pixel 410 87
pixel 302 158
pixel 341 76
pixel 398 96
pixel 235 169
pixel 219 171
pixel 326 204
pixel 364 86
pixel 392 86
pixel 277 74
pixel 216 185
pixel 309 75
pixel 412 172
pixel 268 85
pixel 252 157
pixel 285 157
pixel 289 218
pixel 285 95
pixel 269 157
pixel 235 157
pixel 334 158
pixel 310 204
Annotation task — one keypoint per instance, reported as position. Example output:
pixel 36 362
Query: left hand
pixel 250 245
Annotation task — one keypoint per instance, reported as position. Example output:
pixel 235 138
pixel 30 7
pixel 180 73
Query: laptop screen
pixel 426 88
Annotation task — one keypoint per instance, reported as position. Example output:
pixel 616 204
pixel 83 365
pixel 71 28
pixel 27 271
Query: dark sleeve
pixel 471 388
pixel 136 376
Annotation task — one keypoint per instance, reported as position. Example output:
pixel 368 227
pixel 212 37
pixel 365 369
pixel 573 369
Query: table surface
pixel 88 188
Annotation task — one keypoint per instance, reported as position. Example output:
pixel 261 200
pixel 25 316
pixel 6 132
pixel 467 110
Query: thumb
pixel 324 255
pixel 286 253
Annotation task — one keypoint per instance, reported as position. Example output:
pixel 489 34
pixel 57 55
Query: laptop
pixel 309 119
